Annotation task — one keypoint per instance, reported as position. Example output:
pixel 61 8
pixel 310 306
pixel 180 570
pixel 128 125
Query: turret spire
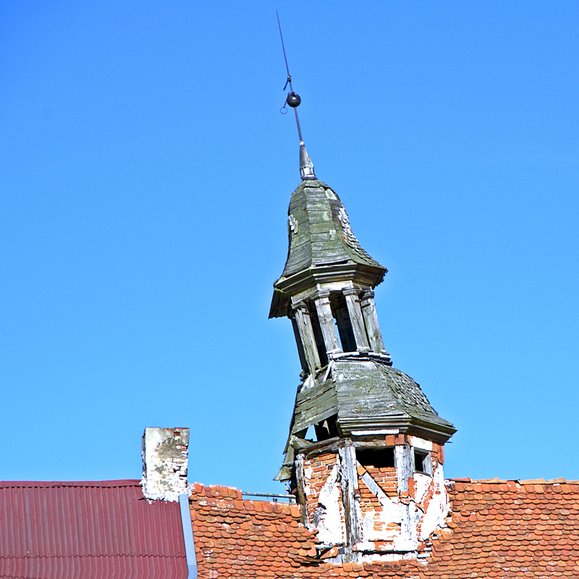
pixel 364 455
pixel 306 165
pixel 294 100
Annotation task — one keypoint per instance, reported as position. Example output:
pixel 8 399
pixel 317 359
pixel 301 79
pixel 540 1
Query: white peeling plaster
pixel 308 471
pixel 165 463
pixel 404 465
pixel 420 443
pixel 389 513
pixel 329 523
pixel 409 517
pixel 334 286
pixel 426 510
pixel 406 540
pixel 421 484
pixel 438 507
pixel 382 431
pixel 385 556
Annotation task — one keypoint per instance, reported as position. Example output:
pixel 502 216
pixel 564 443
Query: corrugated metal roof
pixel 104 529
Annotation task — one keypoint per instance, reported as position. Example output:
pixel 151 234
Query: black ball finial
pixel 293 100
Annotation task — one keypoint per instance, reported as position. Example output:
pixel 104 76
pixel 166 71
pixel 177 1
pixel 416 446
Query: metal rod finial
pixel 293 100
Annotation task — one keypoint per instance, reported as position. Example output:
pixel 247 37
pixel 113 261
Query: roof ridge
pixel 94 556
pixel 216 491
pixel 56 484
pixel 238 501
pixel 531 481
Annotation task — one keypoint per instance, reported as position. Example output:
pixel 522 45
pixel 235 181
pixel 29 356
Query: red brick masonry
pixel 506 529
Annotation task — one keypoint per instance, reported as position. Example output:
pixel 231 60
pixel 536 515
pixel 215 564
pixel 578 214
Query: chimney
pixel 165 463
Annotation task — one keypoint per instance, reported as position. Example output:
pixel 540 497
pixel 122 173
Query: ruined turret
pixel 364 455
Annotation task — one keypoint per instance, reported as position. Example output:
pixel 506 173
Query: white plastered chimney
pixel 165 458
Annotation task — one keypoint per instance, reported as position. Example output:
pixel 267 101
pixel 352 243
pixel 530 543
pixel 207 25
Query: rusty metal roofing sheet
pixel 104 529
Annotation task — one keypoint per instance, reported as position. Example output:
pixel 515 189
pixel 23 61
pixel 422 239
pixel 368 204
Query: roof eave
pixel 287 287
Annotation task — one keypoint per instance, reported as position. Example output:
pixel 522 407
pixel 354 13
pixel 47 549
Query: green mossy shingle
pixel 321 238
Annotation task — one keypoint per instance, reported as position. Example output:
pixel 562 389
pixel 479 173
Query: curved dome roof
pixel 321 242
pixel 320 231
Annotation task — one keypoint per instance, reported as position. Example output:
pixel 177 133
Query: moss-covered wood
pixel 320 237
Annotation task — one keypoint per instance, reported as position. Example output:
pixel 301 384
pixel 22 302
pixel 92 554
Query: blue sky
pixel 145 177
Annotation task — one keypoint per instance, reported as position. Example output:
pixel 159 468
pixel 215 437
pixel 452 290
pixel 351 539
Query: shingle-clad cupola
pixel 365 449
pixel 326 285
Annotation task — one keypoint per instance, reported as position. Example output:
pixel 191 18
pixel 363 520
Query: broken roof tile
pixel 479 540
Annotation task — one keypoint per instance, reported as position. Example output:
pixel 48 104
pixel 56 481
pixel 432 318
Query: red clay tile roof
pixel 505 529
pixel 86 530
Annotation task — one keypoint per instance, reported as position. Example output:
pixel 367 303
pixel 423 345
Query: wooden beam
pixel 371 322
pixel 306 332
pixel 356 319
pixel 349 484
pixel 300 488
pixel 326 319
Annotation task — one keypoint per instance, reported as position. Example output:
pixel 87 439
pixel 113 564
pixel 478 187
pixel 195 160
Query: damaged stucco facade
pixel 373 511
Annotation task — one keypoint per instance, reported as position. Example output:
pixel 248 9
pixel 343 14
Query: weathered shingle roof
pixel 320 239
pixel 66 530
pixel 364 393
pixel 320 231
pixel 497 529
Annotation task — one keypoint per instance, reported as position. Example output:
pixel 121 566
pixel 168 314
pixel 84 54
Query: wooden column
pixel 356 319
pixel 326 319
pixel 298 338
pixel 301 489
pixel 349 484
pixel 371 321
pixel 404 461
pixel 306 332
